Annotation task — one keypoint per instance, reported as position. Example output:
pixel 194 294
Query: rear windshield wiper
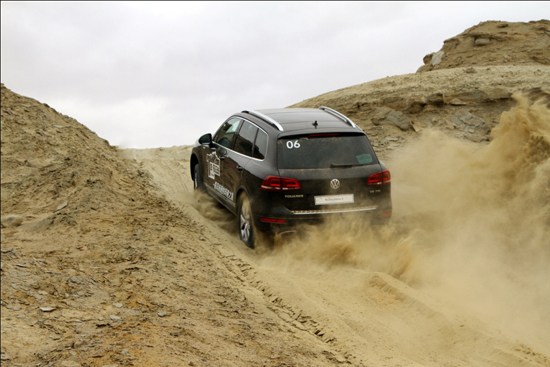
pixel 344 165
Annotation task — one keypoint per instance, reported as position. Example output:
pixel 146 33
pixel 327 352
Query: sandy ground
pixel 110 259
pixel 431 289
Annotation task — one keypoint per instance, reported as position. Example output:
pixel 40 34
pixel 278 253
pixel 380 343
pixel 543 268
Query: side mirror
pixel 206 139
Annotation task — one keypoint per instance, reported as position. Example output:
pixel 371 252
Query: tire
pixel 247 229
pixel 198 183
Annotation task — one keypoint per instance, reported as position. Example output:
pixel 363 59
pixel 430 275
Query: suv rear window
pixel 324 151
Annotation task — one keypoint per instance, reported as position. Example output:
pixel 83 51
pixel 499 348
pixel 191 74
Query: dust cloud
pixel 480 218
pixel 214 211
pixel 471 225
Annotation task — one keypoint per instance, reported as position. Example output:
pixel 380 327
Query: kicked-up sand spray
pixel 471 224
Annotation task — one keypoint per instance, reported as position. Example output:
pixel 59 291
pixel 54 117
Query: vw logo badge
pixel 335 184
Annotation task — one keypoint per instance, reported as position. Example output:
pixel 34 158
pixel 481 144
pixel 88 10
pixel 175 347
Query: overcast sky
pixel 159 74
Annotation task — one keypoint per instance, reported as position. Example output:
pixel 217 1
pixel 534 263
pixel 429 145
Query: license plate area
pixel 334 199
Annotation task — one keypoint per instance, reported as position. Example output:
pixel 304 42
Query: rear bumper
pixel 328 211
pixel 274 222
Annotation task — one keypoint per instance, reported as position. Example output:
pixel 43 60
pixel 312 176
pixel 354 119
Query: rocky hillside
pixel 100 270
pixel 463 88
pixel 494 43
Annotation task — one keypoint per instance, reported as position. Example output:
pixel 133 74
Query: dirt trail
pixel 421 291
pixel 109 259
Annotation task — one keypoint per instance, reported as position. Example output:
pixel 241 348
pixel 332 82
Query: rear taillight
pixel 379 178
pixel 276 183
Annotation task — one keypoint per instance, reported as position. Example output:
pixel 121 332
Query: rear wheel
pixel 247 230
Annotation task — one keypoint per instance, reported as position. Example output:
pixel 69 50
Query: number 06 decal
pixel 293 144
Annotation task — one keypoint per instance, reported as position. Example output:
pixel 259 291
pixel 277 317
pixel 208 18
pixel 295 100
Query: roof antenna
pixel 315 124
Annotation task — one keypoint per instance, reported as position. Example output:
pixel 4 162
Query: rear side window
pixel 245 140
pixel 324 151
pixel 260 147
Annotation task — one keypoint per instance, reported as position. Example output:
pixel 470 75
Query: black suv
pixel 278 167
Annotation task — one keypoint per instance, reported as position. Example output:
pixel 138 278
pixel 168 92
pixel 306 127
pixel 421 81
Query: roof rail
pixel 339 115
pixel 267 119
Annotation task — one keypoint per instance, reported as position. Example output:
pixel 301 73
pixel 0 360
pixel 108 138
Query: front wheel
pixel 198 183
pixel 247 230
